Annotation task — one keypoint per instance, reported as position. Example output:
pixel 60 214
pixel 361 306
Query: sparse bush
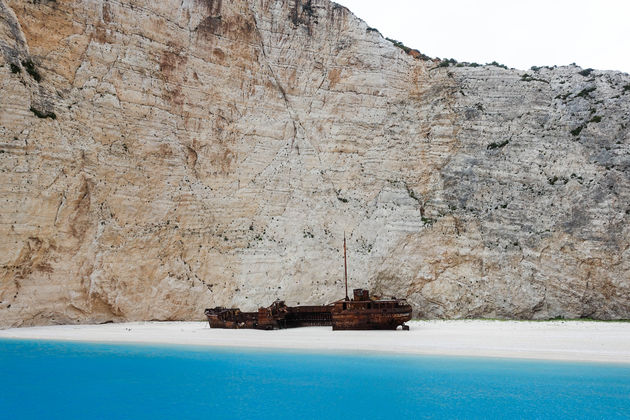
pixel 585 72
pixel 399 45
pixel 596 119
pixel 576 131
pixel 493 145
pixel 527 78
pixel 494 63
pixel 15 68
pixel 411 193
pixel 585 92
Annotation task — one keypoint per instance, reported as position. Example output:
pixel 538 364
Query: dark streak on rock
pixel 210 25
pixel 43 114
pixel 213 6
pixel 29 66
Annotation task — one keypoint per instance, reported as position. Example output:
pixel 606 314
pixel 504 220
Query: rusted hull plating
pixel 359 321
pixel 364 313
pixel 360 313
pixel 275 316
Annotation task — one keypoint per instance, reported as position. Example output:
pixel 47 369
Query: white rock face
pixel 162 157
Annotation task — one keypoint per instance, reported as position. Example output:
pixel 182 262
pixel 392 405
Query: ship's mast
pixel 345 265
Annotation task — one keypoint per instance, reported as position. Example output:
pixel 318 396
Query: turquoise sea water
pixel 50 380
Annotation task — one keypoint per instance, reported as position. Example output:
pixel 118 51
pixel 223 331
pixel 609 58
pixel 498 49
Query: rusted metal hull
pixel 369 321
pixel 308 316
pixel 276 316
pixel 231 318
pixel 360 313
pixel 363 313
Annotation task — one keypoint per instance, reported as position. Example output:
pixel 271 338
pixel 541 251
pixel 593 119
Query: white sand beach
pixel 551 340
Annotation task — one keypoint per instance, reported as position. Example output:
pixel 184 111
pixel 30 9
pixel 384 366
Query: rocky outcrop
pixel 157 158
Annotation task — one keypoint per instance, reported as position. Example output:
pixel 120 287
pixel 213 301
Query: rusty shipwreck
pixel 362 312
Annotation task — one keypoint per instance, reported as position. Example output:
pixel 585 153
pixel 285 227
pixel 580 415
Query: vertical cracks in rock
pixel 61 203
pixel 290 111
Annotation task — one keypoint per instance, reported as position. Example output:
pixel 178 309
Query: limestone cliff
pixel 159 157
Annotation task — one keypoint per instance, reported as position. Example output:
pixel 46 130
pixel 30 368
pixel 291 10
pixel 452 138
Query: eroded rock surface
pixel 161 157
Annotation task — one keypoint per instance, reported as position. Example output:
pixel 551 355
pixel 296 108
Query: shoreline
pixel 573 341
